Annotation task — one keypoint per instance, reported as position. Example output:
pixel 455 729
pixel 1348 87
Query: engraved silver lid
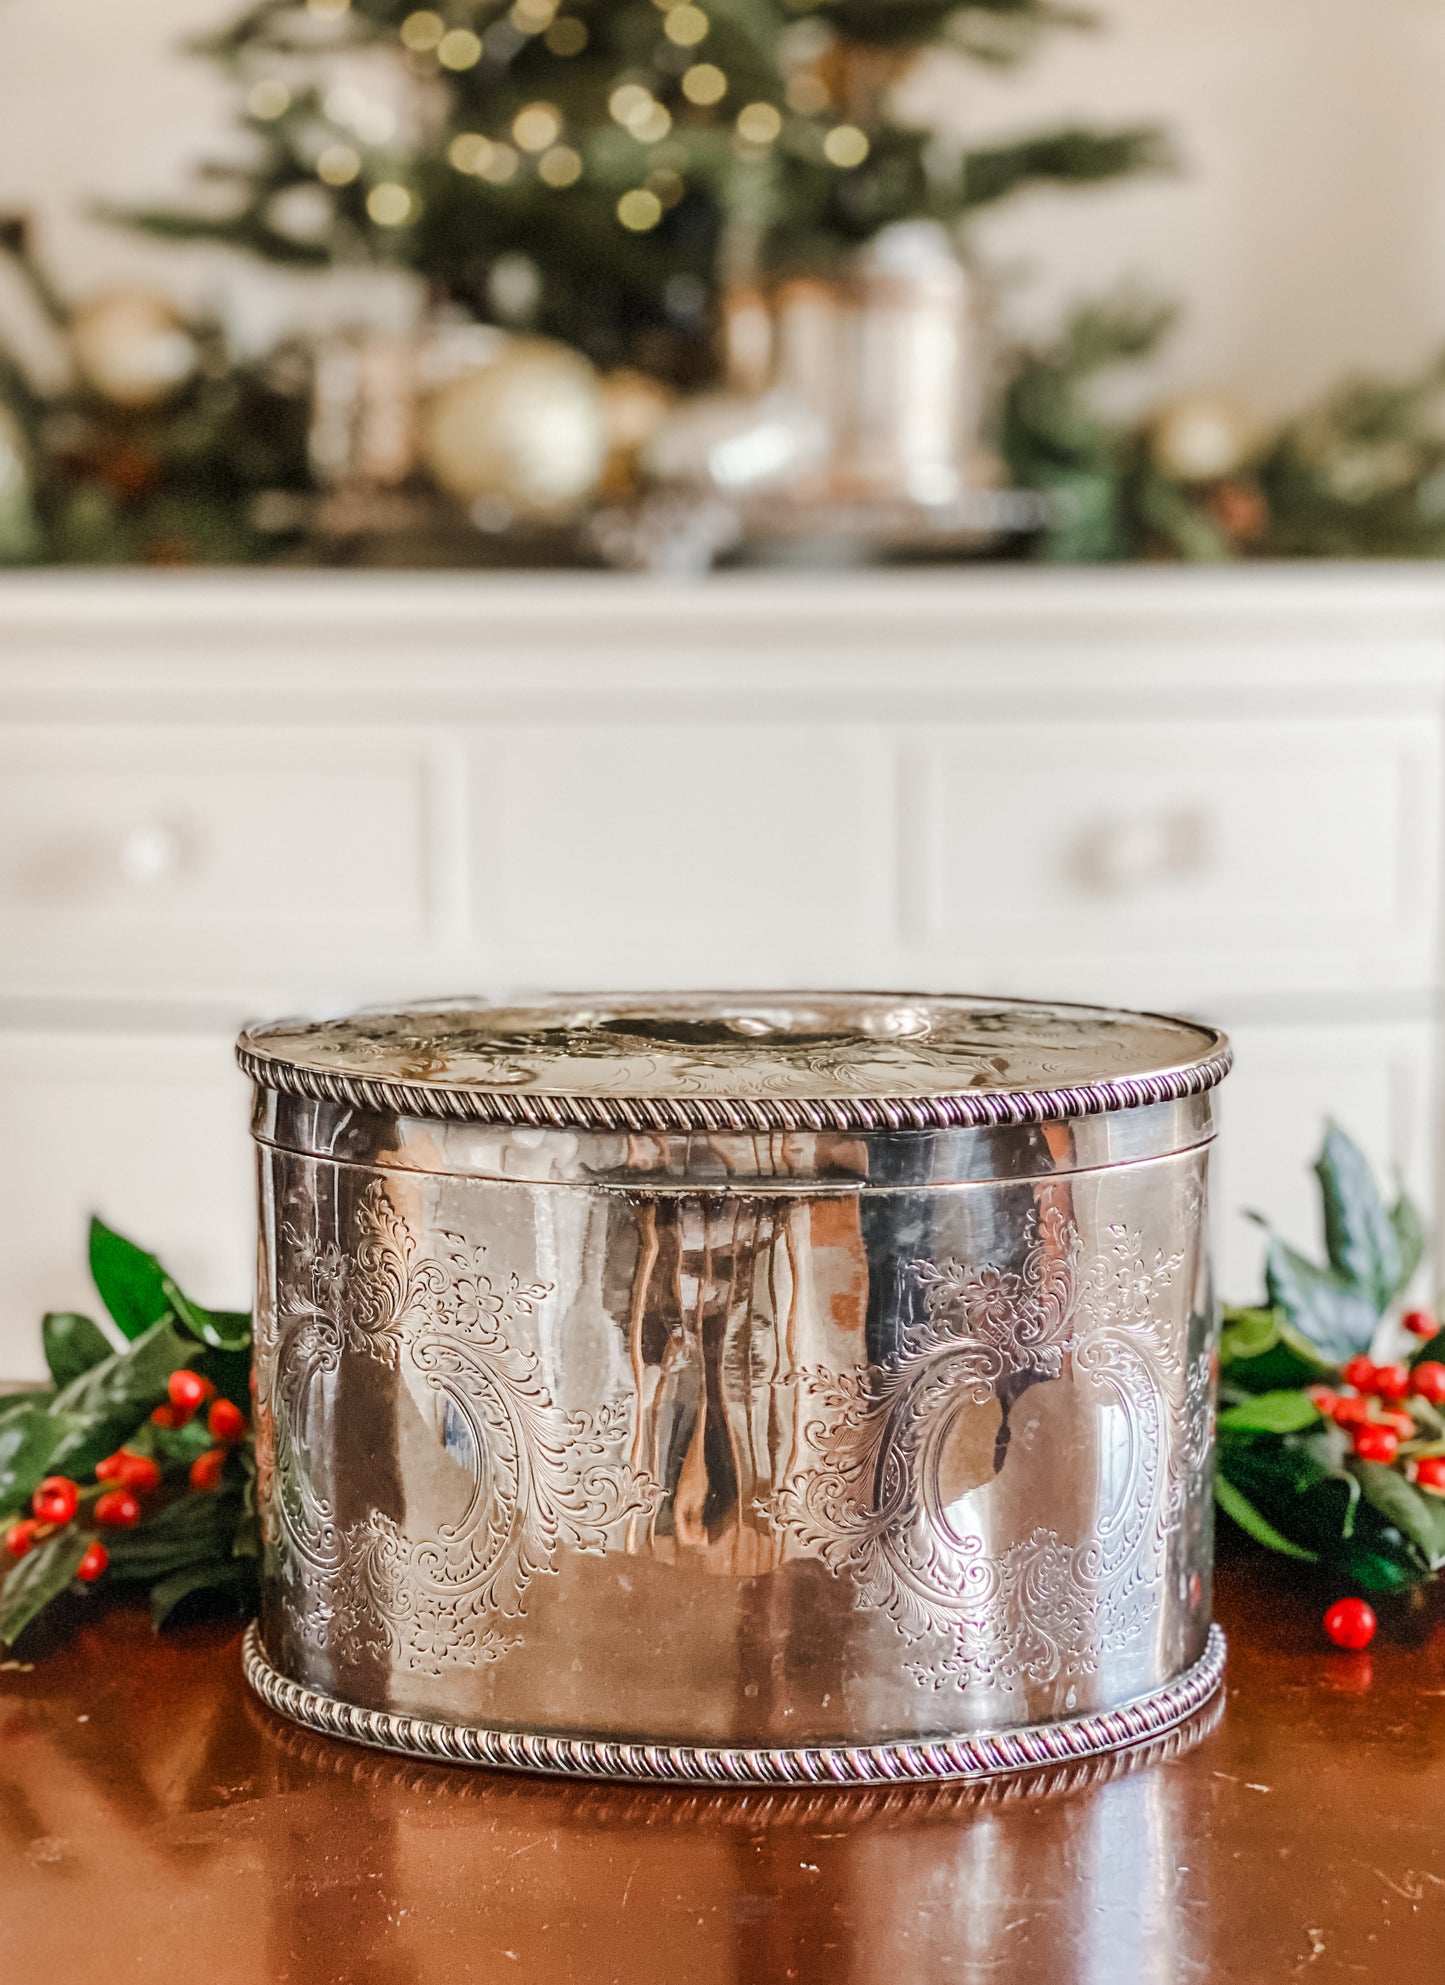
pixel 740 1061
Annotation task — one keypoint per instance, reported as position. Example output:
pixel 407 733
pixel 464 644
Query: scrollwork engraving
pixel 869 1504
pixel 539 1478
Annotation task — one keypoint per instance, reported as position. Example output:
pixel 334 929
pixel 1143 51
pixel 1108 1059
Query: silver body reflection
pixel 717 1445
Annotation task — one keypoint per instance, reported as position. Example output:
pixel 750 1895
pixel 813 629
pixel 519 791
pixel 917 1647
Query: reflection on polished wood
pixel 155 1820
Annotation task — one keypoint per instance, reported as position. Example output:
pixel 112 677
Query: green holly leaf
pixel 14 1405
pixel 131 1282
pixel 231 1581
pixel 1270 1413
pixel 28 1442
pixel 1331 1312
pixel 40 1576
pixel 1380 1562
pixel 73 1344
pixel 1261 1351
pixel 220 1330
pixel 1243 1512
pixel 195 1529
pixel 1360 1238
pixel 1419 1517
pixel 107 1403
pixel 1298 1482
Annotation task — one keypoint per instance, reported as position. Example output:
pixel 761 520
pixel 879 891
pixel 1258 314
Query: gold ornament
pixel 527 431
pixel 1201 437
pixel 132 348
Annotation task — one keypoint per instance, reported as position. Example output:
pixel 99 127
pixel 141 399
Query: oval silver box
pixel 757 1388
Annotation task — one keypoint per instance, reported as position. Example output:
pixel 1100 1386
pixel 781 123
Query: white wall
pixel 1307 236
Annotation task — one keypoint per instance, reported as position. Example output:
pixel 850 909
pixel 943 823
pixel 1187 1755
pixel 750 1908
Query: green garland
pixel 1359 474
pixel 112 1417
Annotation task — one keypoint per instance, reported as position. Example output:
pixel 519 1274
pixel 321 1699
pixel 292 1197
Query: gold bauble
pixel 131 348
pixel 528 430
pixel 1201 437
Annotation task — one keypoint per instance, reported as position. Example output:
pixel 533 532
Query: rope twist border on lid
pixel 961 1110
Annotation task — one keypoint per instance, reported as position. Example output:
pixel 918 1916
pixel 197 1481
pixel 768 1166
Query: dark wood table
pixel 158 1824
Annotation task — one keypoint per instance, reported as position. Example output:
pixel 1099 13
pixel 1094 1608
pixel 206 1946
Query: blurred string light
pixel 459 49
pixel 389 204
pixel 639 209
pixel 567 36
pixel 704 84
pixel 338 165
pixel 421 32
pixel 560 166
pixel 845 145
pixel 759 123
pixel 536 131
pixel 269 98
pixel 537 127
pixel 685 24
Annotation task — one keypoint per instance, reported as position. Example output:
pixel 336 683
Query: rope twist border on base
pixel 925 1760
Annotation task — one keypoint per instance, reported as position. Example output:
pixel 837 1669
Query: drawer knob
pixel 1119 856
pixel 150 853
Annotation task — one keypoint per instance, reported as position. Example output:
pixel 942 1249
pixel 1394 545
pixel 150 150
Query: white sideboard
pixel 226 796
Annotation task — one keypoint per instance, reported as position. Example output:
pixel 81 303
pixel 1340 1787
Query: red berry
pixel 1430 1473
pixel 188 1392
pixel 225 1422
pixel 1376 1443
pixel 1360 1373
pixel 138 1472
pixel 20 1537
pixel 165 1416
pixel 1323 1398
pixel 206 1468
pixel 1392 1381
pixel 56 1500
pixel 1420 1323
pixel 1427 1381
pixel 109 1469
pixel 1350 1623
pixel 118 1509
pixel 1351 1412
pixel 92 1564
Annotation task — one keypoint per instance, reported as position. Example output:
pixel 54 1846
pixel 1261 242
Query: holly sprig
pixel 135 1465
pixel 1331 1432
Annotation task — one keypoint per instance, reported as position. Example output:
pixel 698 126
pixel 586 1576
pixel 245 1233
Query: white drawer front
pixel 161 861
pixel 148 1130
pixel 1377 1081
pixel 681 853
pixel 1151 861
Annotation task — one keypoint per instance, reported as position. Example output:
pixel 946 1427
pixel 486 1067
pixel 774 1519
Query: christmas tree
pixel 601 170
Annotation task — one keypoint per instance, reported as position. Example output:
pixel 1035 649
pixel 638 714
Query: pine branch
pixel 1066 158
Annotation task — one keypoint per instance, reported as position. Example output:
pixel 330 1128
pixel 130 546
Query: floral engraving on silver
pixel 537 1478
pixel 984 1755
pixel 874 1502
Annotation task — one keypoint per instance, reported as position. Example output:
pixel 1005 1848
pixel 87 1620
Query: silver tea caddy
pixel 755 1388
